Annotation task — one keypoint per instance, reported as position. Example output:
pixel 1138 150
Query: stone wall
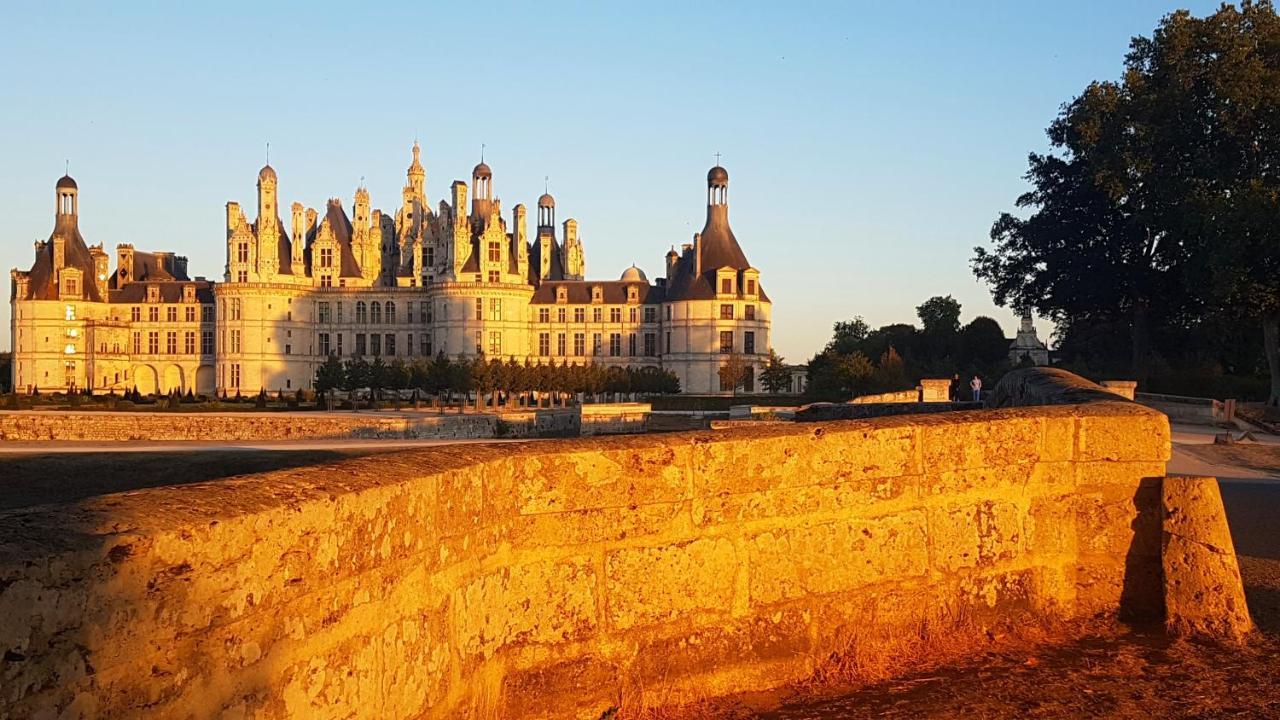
pixel 599 419
pixel 566 577
pixel 242 426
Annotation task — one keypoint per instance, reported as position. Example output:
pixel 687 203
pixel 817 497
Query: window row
pixel 188 337
pixel 375 344
pixel 597 314
pixel 648 349
pixel 171 313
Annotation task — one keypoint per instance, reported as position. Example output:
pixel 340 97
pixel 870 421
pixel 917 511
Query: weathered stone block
pixel 645 585
pixel 834 557
pixel 1123 431
pixel 549 601
pixel 973 440
pixel 1203 593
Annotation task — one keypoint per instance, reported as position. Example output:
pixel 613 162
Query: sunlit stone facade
pixel 461 279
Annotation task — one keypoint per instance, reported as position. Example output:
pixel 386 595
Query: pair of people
pixel 975 385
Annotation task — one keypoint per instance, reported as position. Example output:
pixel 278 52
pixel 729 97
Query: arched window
pixel 362 313
pixel 391 313
pixel 375 313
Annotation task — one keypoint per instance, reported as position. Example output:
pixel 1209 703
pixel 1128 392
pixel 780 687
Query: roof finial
pixel 268 153
pixel 546 184
pixel 717 159
pixel 361 182
pixel 66 167
pixel 482 152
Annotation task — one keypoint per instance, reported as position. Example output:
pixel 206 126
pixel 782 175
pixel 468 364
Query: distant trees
pixel 904 353
pixel 1151 224
pixel 775 377
pixel 441 375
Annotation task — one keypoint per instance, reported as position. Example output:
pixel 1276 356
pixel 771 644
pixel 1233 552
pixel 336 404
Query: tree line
pixel 859 360
pixel 442 375
pixel 1149 234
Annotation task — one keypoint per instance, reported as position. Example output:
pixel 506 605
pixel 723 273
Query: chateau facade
pixel 460 279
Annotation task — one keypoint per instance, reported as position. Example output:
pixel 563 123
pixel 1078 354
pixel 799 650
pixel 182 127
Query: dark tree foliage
pixel 905 354
pixel 1153 218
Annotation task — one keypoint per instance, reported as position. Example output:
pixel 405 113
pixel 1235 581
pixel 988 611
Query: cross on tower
pixel 717 159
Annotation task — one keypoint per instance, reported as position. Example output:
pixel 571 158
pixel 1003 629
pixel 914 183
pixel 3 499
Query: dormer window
pixel 597 294
pixel 633 295
pixel 562 294
pixel 726 286
pixel 153 294
pixel 188 293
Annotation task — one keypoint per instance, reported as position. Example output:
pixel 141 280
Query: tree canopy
pixel 1153 215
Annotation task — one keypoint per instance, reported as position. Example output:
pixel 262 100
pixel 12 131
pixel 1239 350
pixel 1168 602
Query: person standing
pixel 976 385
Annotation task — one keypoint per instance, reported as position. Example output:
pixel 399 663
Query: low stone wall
pixel 901 396
pixel 564 578
pixel 1204 411
pixel 242 426
pixel 612 418
pixel 600 419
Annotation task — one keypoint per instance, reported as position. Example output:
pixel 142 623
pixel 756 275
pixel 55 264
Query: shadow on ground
pixel 40 479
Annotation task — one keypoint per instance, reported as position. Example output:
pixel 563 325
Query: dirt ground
pixel 1113 671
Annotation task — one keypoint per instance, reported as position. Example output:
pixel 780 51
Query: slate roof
pixel 615 292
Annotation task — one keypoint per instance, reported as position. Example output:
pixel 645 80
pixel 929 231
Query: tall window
pixel 726 311
pixel 242 252
pixel 668 342
pixel 361 348
pixel 495 309
pixel 726 342
pixel 751 287
pixel 171 314
pixel 391 313
pixel 323 341
pixel 325 317
pixel 631 344
pixel 235 308
pixel 235 375
pixel 633 314
pixel 479 343
pixel 579 315
pixel 495 276
pixel 235 341
pixel 135 313
pixel 137 343
pixel 242 276
pixel 749 312
pixel 189 342
pixel 651 314
pixel 391 344
pixel 544 315
pixel 650 344
pixel 479 309
pixel 426 344
pixel 153 343
pixel 749 342
pixel 206 313
pixel 561 315
pixel 495 343
pixel 615 344
pixel 408 344
pixel 375 312
pixel 326 257
pixel 339 344
pixel 596 315
pixel 362 313
pixel 191 313
pixel 560 346
pixel 206 342
pixel 726 286
pixel 595 343
pixel 495 251
pixel 579 344
pixel 615 315
pixel 153 314
pixel 544 344
pixel 408 312
pixel 375 344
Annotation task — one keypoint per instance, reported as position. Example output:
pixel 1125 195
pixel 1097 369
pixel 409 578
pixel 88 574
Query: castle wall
pixel 563 578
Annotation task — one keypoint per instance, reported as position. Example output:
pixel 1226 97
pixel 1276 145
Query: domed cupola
pixel 267 173
pixel 634 274
pixel 546 211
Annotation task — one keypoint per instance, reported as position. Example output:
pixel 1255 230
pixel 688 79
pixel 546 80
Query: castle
pixel 457 279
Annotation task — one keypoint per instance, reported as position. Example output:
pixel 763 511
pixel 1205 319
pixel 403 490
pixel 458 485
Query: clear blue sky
pixel 870 145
